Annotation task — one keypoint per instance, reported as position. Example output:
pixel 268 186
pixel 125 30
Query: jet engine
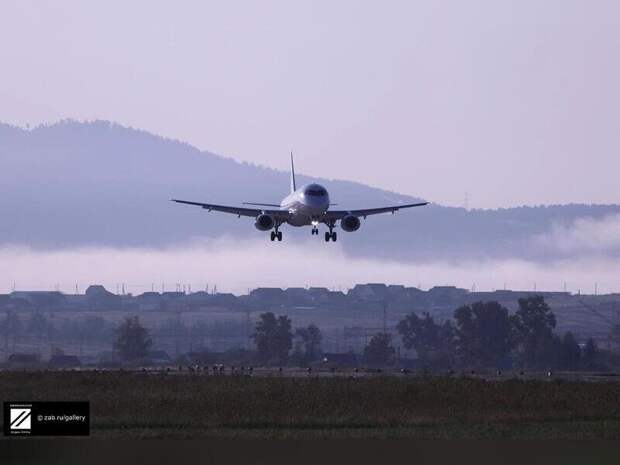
pixel 350 223
pixel 264 222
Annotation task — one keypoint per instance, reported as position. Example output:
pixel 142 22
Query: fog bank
pixel 236 266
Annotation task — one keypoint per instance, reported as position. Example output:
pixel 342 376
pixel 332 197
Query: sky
pixel 503 102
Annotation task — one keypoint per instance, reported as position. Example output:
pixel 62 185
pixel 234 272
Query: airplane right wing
pixel 278 214
pixel 340 214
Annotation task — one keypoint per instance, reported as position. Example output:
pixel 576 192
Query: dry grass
pixel 159 405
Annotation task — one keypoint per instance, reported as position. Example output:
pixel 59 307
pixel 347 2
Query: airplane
pixel 306 206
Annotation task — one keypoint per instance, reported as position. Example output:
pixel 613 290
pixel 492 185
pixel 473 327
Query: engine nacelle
pixel 264 222
pixel 350 223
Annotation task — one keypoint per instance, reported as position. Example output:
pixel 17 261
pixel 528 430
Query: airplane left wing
pixel 340 214
pixel 239 211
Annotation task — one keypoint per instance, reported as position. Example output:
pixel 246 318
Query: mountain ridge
pixel 100 183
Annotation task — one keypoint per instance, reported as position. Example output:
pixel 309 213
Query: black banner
pixel 46 418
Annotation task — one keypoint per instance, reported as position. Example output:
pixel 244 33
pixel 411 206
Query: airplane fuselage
pixel 306 205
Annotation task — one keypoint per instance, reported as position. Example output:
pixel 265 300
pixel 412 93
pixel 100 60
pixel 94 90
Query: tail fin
pixel 293 184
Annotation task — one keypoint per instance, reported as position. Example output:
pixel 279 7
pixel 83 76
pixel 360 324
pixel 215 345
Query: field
pixel 146 405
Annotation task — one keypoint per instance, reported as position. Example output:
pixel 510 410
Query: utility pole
pixel 384 317
pixel 248 329
pixel 177 335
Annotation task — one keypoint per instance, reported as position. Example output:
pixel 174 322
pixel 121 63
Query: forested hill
pixel 100 183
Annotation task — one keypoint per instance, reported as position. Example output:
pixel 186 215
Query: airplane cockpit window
pixel 315 192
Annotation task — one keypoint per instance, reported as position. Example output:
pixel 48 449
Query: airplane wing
pixel 339 214
pixel 262 204
pixel 239 211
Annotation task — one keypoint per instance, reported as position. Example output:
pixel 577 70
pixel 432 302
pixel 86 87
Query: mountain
pixel 99 183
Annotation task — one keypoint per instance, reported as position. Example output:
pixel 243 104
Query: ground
pixel 144 405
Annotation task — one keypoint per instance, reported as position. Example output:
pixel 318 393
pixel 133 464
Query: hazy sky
pixel 511 101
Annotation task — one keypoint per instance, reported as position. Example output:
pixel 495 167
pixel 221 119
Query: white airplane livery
pixel 306 206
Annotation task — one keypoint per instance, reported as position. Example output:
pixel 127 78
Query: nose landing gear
pixel 315 230
pixel 276 235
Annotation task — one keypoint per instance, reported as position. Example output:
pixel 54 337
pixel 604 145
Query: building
pixel 23 361
pixel 40 300
pixel 64 361
pixel 98 298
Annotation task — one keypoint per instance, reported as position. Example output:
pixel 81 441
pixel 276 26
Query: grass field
pixel 158 405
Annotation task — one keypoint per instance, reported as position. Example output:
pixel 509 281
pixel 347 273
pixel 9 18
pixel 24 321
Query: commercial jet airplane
pixel 306 206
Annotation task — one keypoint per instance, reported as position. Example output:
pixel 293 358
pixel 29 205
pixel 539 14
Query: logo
pixel 24 418
pixel 21 419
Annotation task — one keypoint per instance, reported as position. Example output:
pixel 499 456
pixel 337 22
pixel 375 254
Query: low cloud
pixel 584 237
pixel 235 266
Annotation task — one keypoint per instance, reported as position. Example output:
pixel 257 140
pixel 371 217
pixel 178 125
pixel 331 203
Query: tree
pixel 11 327
pixel 379 349
pixel 273 338
pixel 532 328
pixel 590 355
pixel 614 336
pixel 38 326
pixel 483 334
pixel 570 355
pixel 310 340
pixel 433 343
pixel 199 331
pixel 133 341
pixel 57 351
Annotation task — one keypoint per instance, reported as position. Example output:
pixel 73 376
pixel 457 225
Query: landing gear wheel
pixel 334 236
pixel 279 236
pixel 327 236
pixel 273 236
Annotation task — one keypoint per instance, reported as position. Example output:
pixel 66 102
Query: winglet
pixel 293 184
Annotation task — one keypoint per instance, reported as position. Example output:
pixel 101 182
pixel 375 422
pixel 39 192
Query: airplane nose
pixel 317 203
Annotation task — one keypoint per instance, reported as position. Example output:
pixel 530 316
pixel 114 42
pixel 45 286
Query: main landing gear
pixel 331 234
pixel 276 235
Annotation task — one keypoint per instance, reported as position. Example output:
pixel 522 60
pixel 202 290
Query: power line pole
pixel 248 329
pixel 384 317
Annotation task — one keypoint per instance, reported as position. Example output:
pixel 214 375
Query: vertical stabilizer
pixel 293 184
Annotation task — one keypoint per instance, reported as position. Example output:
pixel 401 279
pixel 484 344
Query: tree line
pixel 486 335
pixel 482 335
